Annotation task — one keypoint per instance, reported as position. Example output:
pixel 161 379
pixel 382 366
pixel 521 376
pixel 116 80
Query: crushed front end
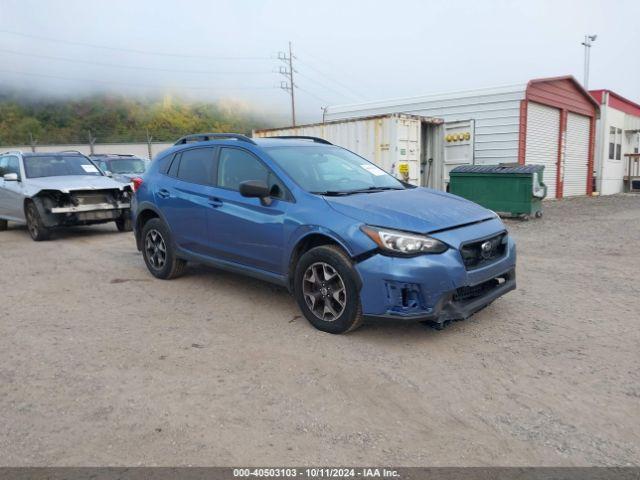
pixel 83 207
pixel 438 288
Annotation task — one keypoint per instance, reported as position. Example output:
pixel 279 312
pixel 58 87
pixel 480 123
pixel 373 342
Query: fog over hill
pixel 26 117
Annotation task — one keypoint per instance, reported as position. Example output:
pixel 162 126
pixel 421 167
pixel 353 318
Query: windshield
pixel 125 165
pixel 332 170
pixel 102 165
pixel 59 165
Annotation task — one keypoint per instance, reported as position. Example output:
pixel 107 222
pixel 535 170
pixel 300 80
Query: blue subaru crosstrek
pixel 347 239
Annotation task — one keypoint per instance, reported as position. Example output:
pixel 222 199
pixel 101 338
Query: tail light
pixel 136 182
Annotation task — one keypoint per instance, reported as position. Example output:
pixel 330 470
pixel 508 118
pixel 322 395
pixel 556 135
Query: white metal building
pixel 617 134
pixel 549 121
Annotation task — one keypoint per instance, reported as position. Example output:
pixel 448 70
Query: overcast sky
pixel 345 51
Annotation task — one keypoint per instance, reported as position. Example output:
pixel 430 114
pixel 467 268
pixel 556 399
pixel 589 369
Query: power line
pixel 129 50
pixel 132 67
pixel 326 87
pixel 348 89
pixel 135 85
pixel 312 94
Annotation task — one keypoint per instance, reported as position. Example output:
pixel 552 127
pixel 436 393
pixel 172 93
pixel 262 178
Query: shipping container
pixel 409 147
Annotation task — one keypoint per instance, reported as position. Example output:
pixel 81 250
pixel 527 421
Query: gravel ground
pixel 102 365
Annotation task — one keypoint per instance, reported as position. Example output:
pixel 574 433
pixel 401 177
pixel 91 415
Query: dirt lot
pixel 101 365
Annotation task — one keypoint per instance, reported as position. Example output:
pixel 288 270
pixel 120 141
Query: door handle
pixel 215 202
pixel 164 193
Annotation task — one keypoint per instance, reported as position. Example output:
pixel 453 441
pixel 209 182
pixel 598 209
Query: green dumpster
pixel 507 189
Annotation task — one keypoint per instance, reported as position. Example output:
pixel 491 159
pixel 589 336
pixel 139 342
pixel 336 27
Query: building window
pixel 612 143
pixel 619 144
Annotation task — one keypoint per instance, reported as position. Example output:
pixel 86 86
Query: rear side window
pixel 196 166
pixel 165 162
pixel 173 171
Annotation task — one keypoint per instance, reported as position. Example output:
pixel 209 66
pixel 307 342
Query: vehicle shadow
pixel 86 231
pixel 373 330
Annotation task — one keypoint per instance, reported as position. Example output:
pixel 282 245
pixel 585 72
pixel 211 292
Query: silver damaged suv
pixel 48 190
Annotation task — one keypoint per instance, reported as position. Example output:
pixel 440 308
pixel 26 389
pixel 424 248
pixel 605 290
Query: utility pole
pixel 33 142
pixel 92 141
pixel 149 140
pixel 289 85
pixel 588 40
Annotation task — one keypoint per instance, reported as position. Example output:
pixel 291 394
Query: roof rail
pixel 19 152
pixel 303 137
pixel 205 137
pixel 113 155
pixel 72 151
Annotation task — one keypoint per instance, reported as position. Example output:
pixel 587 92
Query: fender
pixel 305 231
pixel 146 205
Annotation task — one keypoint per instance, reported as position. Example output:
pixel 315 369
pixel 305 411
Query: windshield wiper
pixel 374 189
pixel 332 193
pixel 336 193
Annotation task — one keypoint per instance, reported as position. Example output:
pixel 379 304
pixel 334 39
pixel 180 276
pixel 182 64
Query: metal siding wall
pixel 576 155
pixel 543 130
pixel 496 118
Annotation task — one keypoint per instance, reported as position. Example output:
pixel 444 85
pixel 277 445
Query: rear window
pixel 59 165
pixel 126 165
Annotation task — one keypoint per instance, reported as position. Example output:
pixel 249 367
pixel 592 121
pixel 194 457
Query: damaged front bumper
pixel 435 288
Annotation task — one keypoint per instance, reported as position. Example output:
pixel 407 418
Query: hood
pixel 419 210
pixel 125 177
pixel 74 182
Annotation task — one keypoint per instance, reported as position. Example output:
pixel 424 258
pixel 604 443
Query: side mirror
pixel 108 173
pixel 10 177
pixel 256 189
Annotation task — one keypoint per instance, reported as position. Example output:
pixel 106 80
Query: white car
pixel 49 190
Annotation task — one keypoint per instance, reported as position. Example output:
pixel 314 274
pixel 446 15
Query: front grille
pixel 482 252
pixel 467 293
pixel 83 197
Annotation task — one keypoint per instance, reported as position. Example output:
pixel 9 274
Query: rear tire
pixel 3 225
pixel 124 224
pixel 159 252
pixel 326 289
pixel 36 228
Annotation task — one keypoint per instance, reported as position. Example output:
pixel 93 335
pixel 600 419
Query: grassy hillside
pixel 116 119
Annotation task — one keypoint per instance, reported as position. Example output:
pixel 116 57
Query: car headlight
pixel 403 243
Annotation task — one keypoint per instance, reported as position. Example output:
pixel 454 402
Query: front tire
pixel 36 228
pixel 3 225
pixel 124 224
pixel 158 251
pixel 326 289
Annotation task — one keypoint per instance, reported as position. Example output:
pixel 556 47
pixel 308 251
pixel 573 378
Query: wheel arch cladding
pixel 37 200
pixel 142 218
pixel 308 242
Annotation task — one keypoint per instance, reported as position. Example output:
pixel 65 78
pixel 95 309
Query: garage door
pixel 576 158
pixel 543 130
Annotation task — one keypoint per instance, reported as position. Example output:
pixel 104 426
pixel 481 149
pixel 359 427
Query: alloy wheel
pixel 156 249
pixel 32 222
pixel 324 291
